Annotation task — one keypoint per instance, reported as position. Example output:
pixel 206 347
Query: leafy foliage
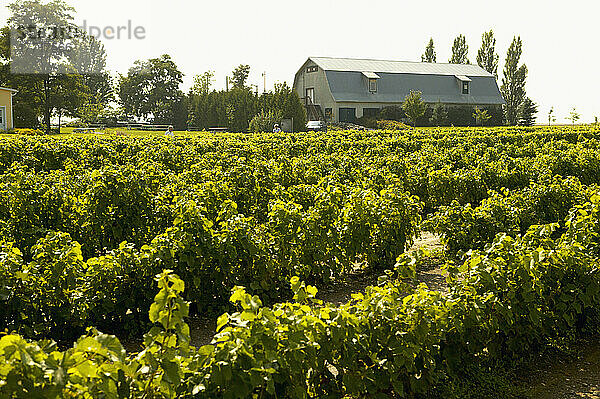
pixel 527 112
pixel 513 82
pixel 151 89
pixel 240 76
pixel 413 106
pixel 574 115
pixel 392 340
pixel 265 121
pixel 460 51
pixel 481 116
pixel 467 227
pixel 56 77
pixel 439 115
pixel 486 55
pixel 429 55
pixel 269 212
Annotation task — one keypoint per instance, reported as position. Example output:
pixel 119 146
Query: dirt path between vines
pixel 566 376
pixel 202 329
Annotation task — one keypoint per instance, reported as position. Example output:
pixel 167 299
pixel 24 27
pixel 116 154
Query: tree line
pixel 519 108
pixel 72 80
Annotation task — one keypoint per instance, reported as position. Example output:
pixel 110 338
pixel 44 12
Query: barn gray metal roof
pixel 396 79
pixel 426 68
pixel 394 87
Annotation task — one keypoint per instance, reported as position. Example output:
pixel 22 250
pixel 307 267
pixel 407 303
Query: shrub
pixel 367 122
pixel 439 115
pixel 264 121
pixel 391 125
pixel 393 113
pixel 26 132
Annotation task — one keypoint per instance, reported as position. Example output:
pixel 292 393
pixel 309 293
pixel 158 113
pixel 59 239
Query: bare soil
pixel 431 272
pixel 566 376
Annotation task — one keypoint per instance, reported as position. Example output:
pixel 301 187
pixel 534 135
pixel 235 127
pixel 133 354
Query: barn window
pixel 465 83
pixel 312 69
pixel 371 80
pixel 373 85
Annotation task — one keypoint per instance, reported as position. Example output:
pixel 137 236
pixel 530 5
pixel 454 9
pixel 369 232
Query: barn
pixel 344 89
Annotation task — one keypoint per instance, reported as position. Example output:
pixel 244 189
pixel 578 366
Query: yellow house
pixel 6 108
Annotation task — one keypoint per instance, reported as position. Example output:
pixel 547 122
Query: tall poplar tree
pixel 429 55
pixel 460 51
pixel 486 56
pixel 513 82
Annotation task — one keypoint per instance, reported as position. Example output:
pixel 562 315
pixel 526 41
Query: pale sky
pixel 560 38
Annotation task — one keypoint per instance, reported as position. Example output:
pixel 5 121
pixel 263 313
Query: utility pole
pixel 226 83
pixel 264 75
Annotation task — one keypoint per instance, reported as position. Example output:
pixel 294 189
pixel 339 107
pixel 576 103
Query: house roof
pixel 425 68
pixel 9 89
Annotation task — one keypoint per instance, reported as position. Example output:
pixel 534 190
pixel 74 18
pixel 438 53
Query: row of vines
pixel 391 341
pixel 86 224
pixel 96 218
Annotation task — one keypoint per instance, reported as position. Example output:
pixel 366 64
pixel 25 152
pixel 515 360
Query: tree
pixel 551 117
pixel 4 55
pixel 574 116
pixel 486 56
pixel 150 90
pixel 439 116
pixel 56 73
pixel 429 55
pixel 240 76
pixel 237 107
pixel 240 108
pixel 413 106
pixel 68 96
pixel 26 104
pixel 203 83
pixel 265 120
pixel 527 112
pixel 89 60
pixel 293 108
pixel 513 82
pixel 460 51
pixel 38 61
pixel 481 116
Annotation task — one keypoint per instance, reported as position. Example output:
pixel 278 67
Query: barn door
pixel 347 114
pixel 310 96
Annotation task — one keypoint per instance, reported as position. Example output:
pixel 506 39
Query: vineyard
pixel 130 236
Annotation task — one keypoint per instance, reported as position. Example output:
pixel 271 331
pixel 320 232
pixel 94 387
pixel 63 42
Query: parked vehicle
pixel 316 126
